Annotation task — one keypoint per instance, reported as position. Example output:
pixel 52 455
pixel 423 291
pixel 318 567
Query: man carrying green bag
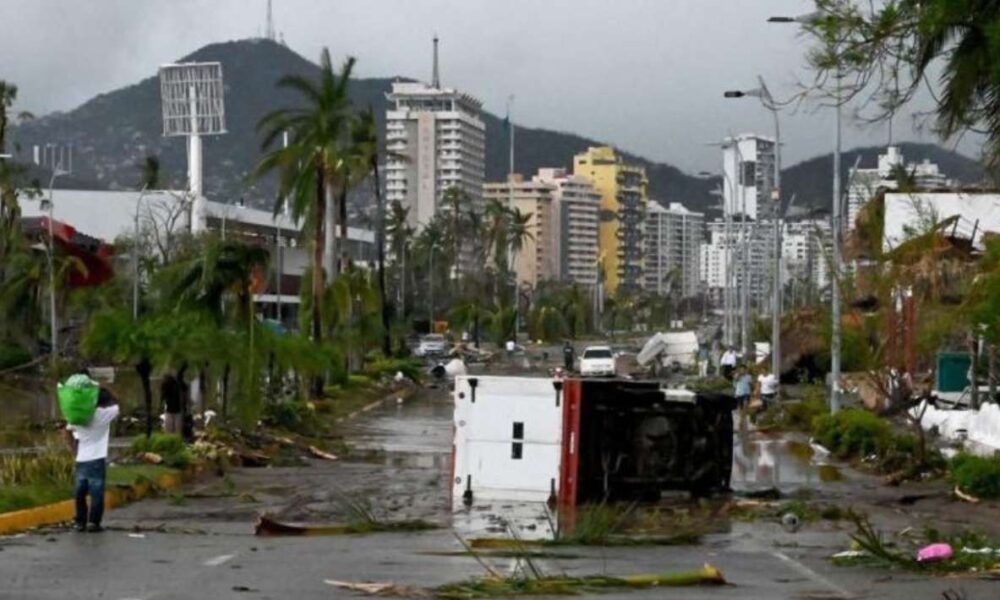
pixel 89 441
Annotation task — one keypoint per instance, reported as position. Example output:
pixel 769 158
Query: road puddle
pixel 761 462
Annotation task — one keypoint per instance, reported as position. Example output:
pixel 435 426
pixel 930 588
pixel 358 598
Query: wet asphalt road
pixel 207 548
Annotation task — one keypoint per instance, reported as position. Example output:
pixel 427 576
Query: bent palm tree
pixel 311 165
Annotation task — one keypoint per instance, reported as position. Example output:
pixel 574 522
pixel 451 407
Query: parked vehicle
pixel 597 361
pixel 433 344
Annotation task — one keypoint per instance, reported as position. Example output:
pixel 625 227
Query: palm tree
pixel 311 166
pixel 223 268
pixel 472 312
pixel 399 231
pixel 365 155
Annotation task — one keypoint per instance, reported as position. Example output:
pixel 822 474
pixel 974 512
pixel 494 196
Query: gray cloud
pixel 646 75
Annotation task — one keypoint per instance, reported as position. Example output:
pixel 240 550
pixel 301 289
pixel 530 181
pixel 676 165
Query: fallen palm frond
pixel 269 526
pixel 562 585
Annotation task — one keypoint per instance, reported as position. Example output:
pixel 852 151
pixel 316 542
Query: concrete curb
pixel 61 512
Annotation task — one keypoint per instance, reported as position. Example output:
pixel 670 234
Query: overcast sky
pixel 645 75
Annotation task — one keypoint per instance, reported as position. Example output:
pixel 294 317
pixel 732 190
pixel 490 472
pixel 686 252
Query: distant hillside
pixel 113 132
pixel 811 180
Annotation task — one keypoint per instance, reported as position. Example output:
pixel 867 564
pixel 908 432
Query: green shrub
pixel 293 416
pixel 12 355
pixel 795 416
pixel 169 446
pixel 852 432
pixel 977 475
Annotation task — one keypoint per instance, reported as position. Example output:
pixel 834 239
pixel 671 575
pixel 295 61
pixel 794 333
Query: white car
pixel 597 361
pixel 433 344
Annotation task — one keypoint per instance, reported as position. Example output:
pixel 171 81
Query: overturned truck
pixel 571 441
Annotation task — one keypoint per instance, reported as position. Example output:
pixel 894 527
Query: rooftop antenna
pixel 436 76
pixel 269 28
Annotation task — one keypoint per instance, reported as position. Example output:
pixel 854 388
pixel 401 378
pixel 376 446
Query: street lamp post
pixel 54 320
pixel 768 102
pixel 430 289
pixel 835 326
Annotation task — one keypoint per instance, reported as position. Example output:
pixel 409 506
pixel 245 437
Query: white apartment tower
pixel 864 184
pixel 672 248
pixel 576 205
pixel 436 139
pixel 748 175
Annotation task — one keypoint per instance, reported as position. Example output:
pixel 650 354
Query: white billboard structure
pixel 193 106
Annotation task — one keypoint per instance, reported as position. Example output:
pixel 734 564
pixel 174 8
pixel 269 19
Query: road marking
pixel 218 560
pixel 813 575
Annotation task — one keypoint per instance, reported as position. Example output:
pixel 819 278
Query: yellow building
pixel 623 206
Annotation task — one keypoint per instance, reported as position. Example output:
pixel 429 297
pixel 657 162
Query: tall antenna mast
pixel 436 75
pixel 269 28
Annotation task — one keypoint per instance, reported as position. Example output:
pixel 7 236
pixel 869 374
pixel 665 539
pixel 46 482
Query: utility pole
pixel 510 188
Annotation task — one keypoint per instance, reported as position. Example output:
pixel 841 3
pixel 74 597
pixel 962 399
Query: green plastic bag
pixel 78 399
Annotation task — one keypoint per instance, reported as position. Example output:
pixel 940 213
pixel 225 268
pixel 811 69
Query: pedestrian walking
pixel 170 395
pixel 728 363
pixel 569 356
pixel 767 387
pixel 89 444
pixel 702 361
pixel 742 384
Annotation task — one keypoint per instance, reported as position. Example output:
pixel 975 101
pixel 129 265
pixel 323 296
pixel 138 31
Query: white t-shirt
pixel 728 359
pixel 768 383
pixel 92 438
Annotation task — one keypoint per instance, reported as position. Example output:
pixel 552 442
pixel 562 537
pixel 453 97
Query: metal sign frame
pixel 192 96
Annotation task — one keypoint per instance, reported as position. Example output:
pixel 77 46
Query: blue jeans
pixel 90 476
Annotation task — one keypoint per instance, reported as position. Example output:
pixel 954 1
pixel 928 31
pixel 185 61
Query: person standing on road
pixel 742 383
pixel 767 387
pixel 569 356
pixel 90 445
pixel 702 358
pixel 728 363
pixel 170 394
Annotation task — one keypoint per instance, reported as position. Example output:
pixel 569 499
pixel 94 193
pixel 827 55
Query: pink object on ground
pixel 935 552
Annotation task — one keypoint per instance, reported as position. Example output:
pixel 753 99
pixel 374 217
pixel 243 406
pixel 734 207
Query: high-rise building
pixel 672 243
pixel 623 207
pixel 537 259
pixel 865 183
pixel 435 139
pixel 575 208
pixel 752 276
pixel 748 175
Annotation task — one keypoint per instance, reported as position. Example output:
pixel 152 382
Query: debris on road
pixel 538 584
pixel 935 552
pixel 267 525
pixel 367 588
pixel 321 454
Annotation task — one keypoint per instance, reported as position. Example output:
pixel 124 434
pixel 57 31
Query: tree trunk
pixel 345 259
pixel 319 247
pixel 225 390
pixel 973 374
pixel 145 369
pixel 993 372
pixel 380 249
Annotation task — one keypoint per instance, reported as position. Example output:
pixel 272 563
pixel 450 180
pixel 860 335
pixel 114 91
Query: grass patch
pixel 852 433
pixel 877 551
pixel 20 497
pixel 129 475
pixel 796 415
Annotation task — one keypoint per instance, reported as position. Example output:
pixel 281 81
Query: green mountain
pixel 113 132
